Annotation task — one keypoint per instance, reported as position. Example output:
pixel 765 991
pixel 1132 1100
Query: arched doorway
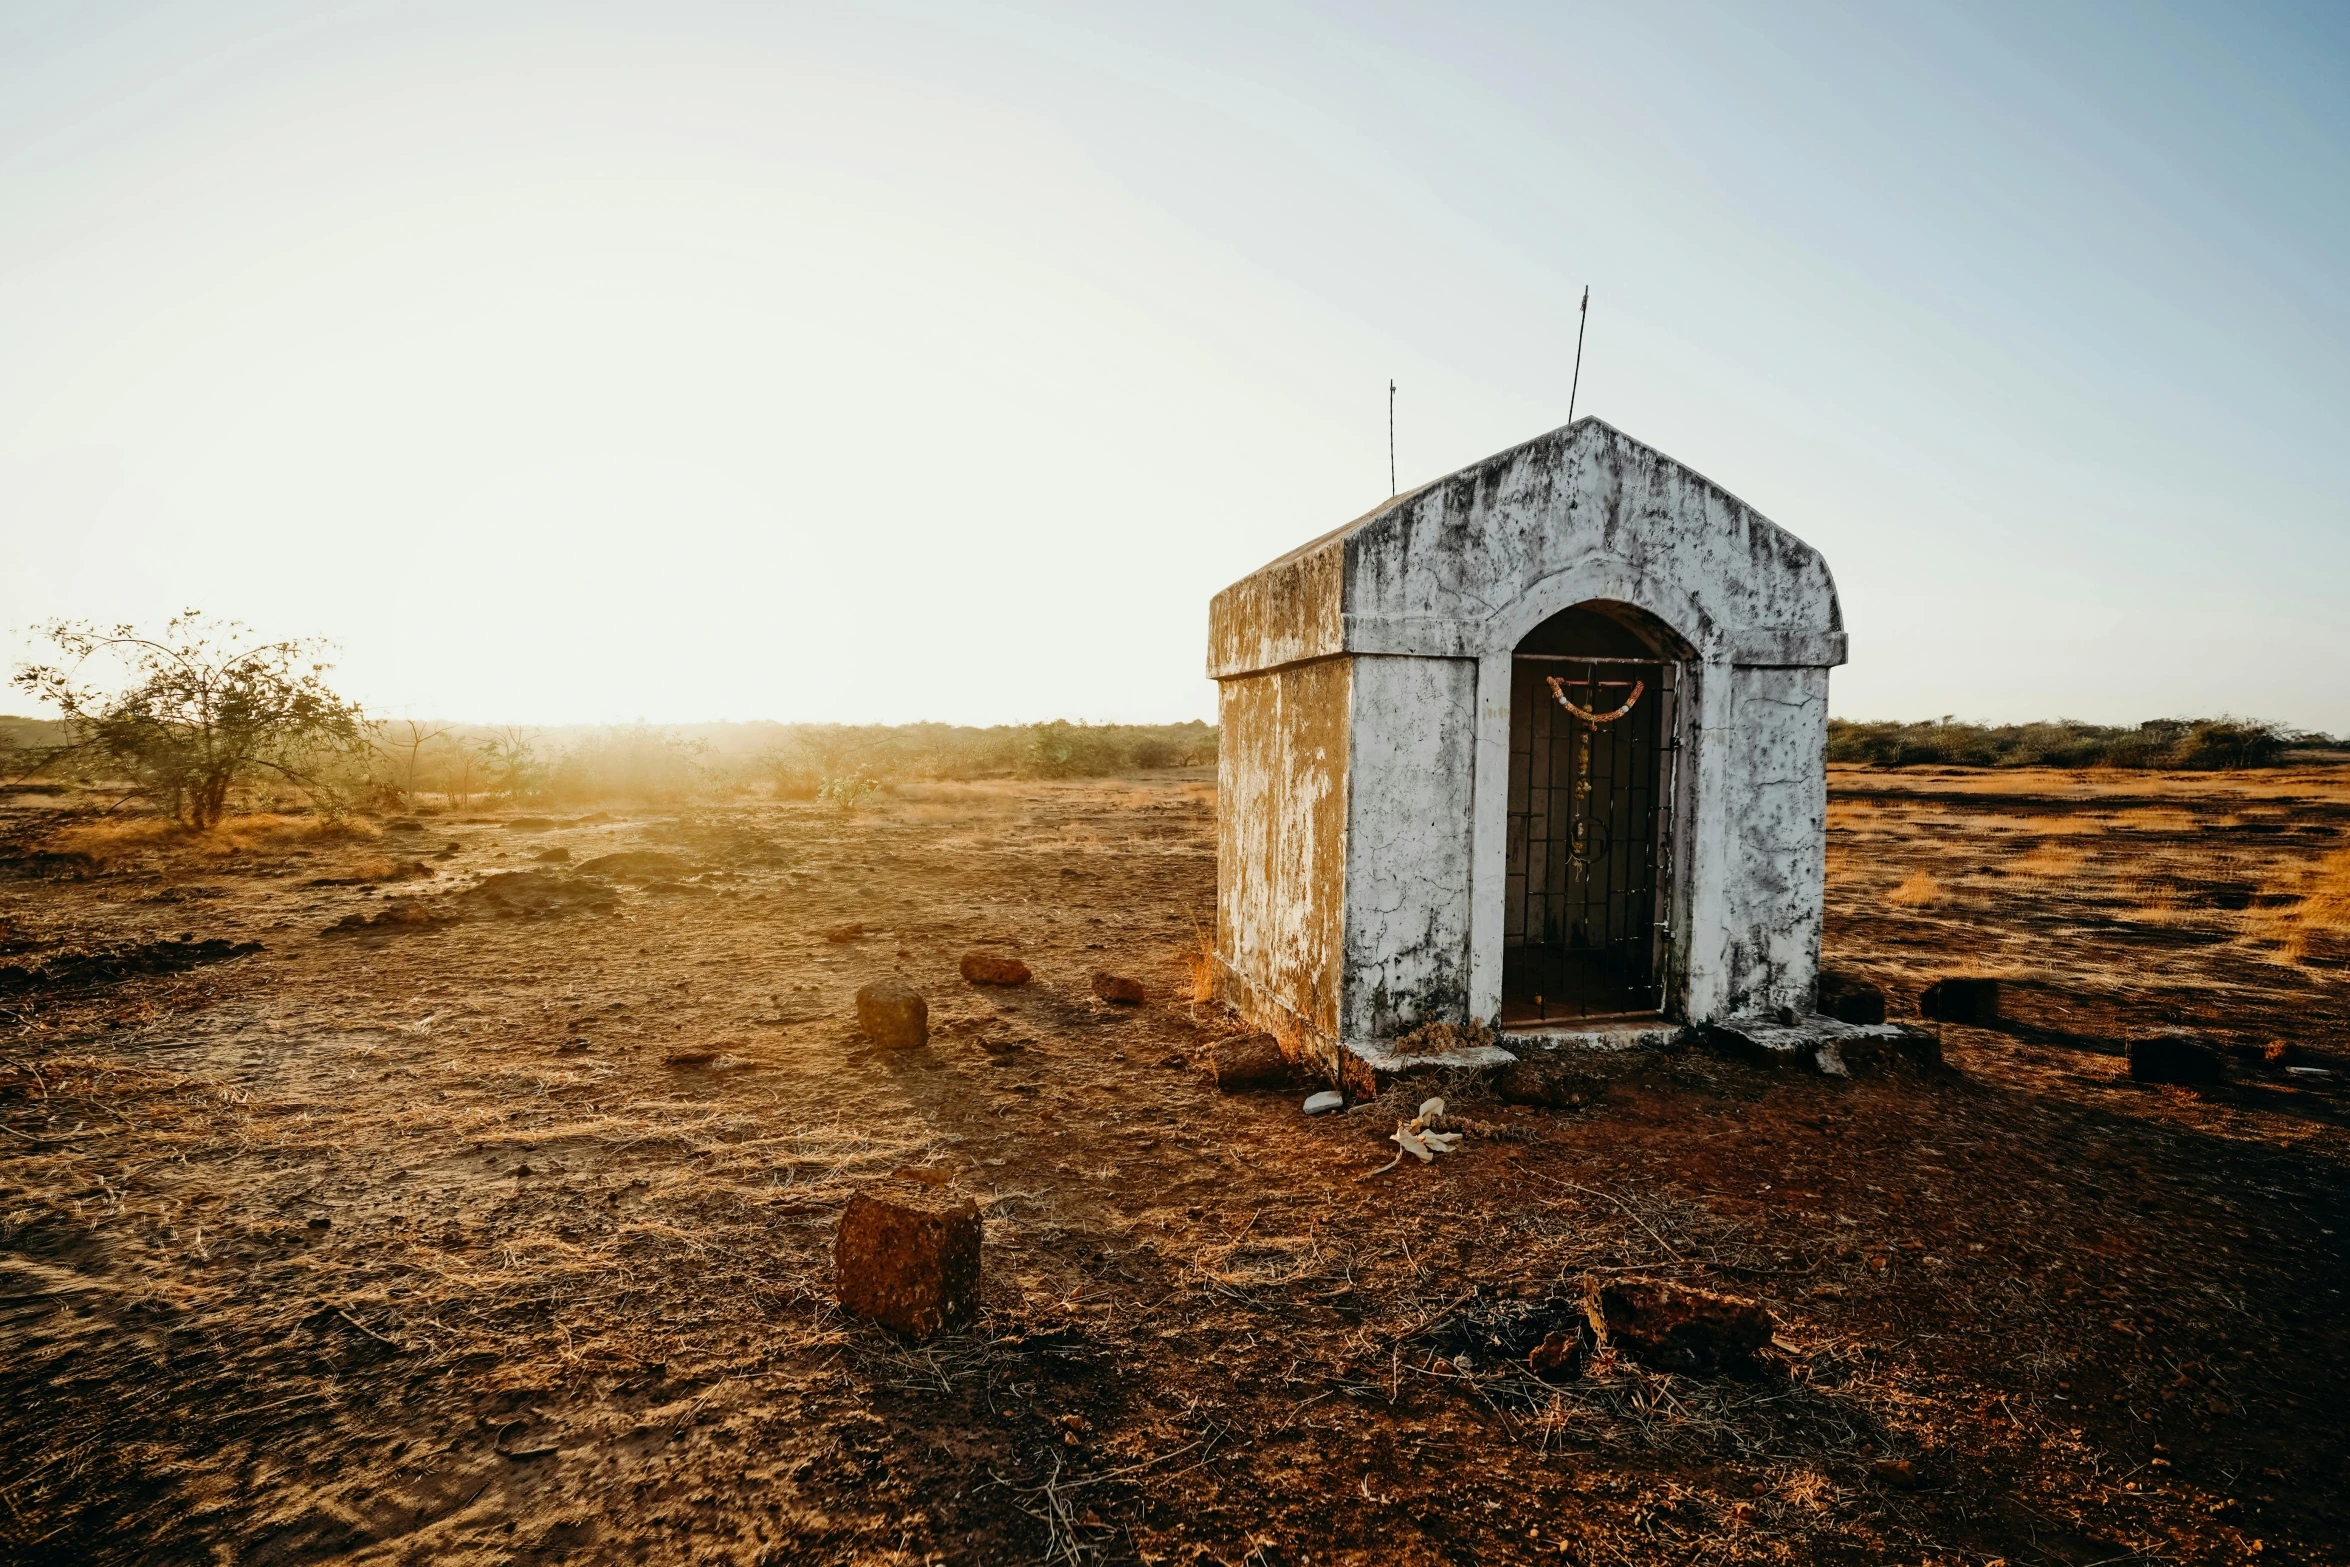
pixel 1595 750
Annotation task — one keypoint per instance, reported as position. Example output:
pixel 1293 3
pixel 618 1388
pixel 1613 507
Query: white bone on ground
pixel 1411 1144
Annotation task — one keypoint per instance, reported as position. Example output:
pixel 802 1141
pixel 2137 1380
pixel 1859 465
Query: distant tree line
pixel 2179 744
pixel 202 718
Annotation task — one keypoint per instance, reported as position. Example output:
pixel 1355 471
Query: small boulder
pixel 893 1015
pixel 554 856
pixel 994 968
pixel 1850 999
pixel 2175 1058
pixel 397 915
pixel 1117 988
pixel 1248 1061
pixel 1675 1328
pixel 1557 1357
pixel 516 894
pixel 1323 1103
pixel 1538 1083
pixel 1974 1002
pixel 907 1256
pixel 1903 1474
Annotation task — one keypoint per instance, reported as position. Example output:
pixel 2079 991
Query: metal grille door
pixel 1590 836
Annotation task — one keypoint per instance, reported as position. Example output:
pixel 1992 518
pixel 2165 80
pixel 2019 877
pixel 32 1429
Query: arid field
pixel 461 1188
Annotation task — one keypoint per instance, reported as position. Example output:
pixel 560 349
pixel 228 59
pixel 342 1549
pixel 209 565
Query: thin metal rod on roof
pixel 1391 439
pixel 1582 320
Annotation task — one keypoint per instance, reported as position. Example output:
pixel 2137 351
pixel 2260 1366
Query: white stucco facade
pixel 1365 686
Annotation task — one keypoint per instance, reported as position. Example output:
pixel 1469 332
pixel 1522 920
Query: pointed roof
pixel 1451 569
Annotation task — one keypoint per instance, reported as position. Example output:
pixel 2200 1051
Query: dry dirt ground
pixel 499 1230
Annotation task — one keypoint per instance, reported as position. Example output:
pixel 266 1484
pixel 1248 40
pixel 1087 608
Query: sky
pixel 683 361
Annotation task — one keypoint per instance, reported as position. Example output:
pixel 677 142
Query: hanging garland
pixel 1558 688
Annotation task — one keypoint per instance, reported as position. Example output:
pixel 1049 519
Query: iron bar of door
pixel 1586 888
pixel 1577 658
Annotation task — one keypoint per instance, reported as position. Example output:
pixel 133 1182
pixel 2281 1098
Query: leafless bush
pixel 201 711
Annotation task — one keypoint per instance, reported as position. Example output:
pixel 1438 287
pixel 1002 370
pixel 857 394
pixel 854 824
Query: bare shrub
pixel 848 793
pixel 196 713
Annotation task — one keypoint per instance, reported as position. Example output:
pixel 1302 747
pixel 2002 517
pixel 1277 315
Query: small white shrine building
pixel 1541 745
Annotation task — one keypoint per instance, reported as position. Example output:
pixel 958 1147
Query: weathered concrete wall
pixel 1281 849
pixel 1777 860
pixel 1412 779
pixel 1286 613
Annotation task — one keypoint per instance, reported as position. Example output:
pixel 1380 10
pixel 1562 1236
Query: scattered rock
pixel 403 824
pixel 692 1057
pixel 515 893
pixel 553 856
pixel 993 968
pixel 845 933
pixel 1557 1357
pixel 404 915
pixel 572 1047
pixel 1974 1002
pixel 2175 1058
pixel 1248 1061
pixel 533 824
pixel 1117 988
pixel 1675 1328
pixel 1902 1474
pixel 1539 1083
pixel 1323 1103
pixel 1850 999
pixel 907 1256
pixel 893 1015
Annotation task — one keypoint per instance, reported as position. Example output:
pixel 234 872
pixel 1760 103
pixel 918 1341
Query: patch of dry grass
pixel 1199 967
pixel 2049 862
pixel 2293 929
pixel 1919 890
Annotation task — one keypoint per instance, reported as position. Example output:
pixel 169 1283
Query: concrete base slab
pixel 1370 1061
pixel 1819 1043
pixel 1629 1033
pixel 1388 1062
